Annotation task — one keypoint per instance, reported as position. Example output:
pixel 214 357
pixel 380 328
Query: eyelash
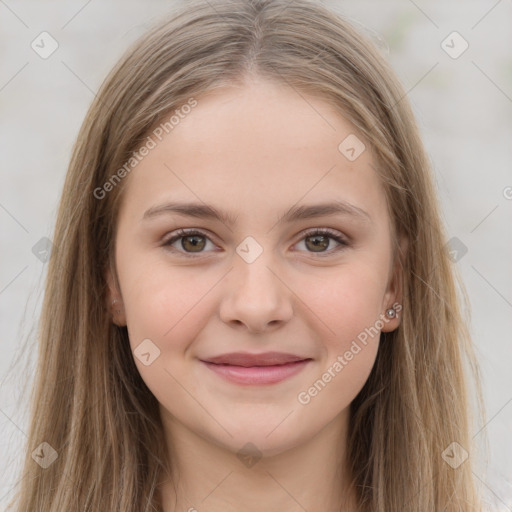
pixel 181 233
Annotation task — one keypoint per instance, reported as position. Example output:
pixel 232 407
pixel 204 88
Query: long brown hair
pixel 90 404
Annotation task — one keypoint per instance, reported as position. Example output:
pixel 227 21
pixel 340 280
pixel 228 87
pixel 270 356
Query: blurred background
pixel 455 61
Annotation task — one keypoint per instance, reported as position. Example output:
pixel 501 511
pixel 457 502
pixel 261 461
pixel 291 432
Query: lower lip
pixel 257 375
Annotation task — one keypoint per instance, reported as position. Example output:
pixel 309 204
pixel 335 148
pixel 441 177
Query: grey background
pixel 463 106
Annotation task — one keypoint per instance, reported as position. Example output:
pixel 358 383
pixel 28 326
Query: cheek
pixel 347 301
pixel 166 304
pixel 170 308
pixel 348 307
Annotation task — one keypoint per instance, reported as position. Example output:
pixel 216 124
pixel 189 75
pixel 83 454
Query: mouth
pixel 242 371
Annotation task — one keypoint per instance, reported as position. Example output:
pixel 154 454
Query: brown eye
pixel 193 243
pixel 323 241
pixel 189 242
pixel 317 243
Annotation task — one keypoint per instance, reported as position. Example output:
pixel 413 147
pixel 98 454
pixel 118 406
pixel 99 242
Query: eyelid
pixel 334 233
pixel 342 240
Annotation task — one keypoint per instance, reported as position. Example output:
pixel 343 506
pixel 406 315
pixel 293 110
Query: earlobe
pixel 392 317
pixel 114 304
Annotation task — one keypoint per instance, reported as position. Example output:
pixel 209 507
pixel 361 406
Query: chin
pixel 257 442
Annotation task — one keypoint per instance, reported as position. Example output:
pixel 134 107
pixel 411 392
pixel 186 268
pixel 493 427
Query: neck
pixel 207 476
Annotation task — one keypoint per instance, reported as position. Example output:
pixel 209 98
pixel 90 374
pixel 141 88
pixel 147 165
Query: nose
pixel 256 296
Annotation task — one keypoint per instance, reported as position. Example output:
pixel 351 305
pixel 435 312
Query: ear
pixel 394 291
pixel 114 300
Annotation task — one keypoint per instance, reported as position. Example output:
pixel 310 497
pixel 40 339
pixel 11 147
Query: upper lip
pixel 247 359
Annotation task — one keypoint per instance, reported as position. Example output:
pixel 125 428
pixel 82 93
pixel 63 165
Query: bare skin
pixel 254 152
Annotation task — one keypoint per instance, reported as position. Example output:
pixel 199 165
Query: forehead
pixel 255 148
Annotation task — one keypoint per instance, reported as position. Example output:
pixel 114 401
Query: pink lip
pixel 257 375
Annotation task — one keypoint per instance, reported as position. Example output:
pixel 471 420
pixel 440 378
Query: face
pixel 297 260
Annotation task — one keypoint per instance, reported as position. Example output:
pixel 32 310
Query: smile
pixel 257 375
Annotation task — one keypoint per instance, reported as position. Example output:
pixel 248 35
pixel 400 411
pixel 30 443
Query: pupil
pixel 196 245
pixel 319 241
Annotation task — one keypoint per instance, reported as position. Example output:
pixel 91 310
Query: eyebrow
pixel 205 211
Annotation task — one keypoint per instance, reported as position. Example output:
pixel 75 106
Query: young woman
pixel 249 305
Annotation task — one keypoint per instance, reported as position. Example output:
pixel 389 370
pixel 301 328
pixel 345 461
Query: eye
pixel 192 241
pixel 319 240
